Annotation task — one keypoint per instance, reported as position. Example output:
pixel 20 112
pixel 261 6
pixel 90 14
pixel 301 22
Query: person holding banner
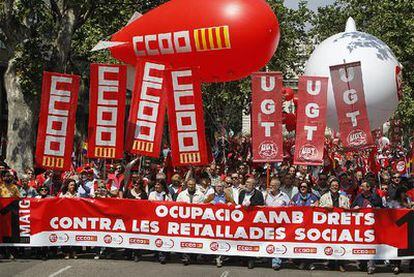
pixel 137 191
pixel 220 196
pixel 367 199
pixel 190 195
pixel 71 192
pixel 333 199
pixel 274 197
pixel 236 187
pixel 175 188
pixel 305 198
pixel 250 197
pixel 160 192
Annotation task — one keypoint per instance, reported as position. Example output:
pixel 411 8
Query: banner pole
pixel 140 164
pixel 268 175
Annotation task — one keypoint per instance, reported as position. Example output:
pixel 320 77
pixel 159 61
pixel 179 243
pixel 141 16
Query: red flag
pixel 106 111
pixel 311 124
pixel 186 118
pixel 57 120
pixel 374 164
pixel 350 104
pixel 267 116
pixel 146 117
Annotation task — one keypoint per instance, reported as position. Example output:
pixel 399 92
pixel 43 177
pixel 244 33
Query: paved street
pixel 87 266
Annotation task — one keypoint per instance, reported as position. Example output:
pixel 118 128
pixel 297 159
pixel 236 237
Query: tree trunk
pixel 20 130
pixel 63 42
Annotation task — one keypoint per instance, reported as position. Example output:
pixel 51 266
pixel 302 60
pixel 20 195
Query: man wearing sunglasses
pixel 394 185
pixel 235 188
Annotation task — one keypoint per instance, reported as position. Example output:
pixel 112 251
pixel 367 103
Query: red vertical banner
pixel 57 118
pixel 146 116
pixel 106 111
pixel 267 116
pixel 348 88
pixel 186 118
pixel 311 123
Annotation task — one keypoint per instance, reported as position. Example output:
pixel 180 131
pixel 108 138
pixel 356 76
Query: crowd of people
pixel 231 179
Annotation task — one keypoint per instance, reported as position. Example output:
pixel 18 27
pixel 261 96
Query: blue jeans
pixel 276 262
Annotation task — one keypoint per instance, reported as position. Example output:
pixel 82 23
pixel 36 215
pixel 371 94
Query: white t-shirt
pixel 279 200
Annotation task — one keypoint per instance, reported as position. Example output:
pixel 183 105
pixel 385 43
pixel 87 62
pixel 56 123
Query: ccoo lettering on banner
pixel 146 117
pixel 186 118
pixel 106 111
pixel 57 120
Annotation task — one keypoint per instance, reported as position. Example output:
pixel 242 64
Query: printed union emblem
pixel 159 242
pixel 308 152
pixel 214 246
pixel 268 150
pixel 357 138
pixel 53 238
pixel 328 251
pixel 270 249
pixel 107 239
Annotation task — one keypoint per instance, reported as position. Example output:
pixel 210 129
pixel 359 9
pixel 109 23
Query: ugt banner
pixel 146 117
pixel 57 120
pixel 107 111
pixel 267 116
pixel 311 124
pixel 351 109
pixel 186 118
pixel 286 232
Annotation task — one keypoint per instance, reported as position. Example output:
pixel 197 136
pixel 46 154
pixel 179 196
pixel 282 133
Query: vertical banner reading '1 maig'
pixel 107 111
pixel 311 124
pixel 186 118
pixel 57 120
pixel 267 117
pixel 350 104
pixel 146 117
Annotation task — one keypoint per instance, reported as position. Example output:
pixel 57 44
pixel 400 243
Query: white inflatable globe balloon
pixel 378 65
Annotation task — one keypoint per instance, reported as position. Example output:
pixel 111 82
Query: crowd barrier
pixel 287 232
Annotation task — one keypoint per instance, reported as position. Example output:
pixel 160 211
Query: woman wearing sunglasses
pixel 304 197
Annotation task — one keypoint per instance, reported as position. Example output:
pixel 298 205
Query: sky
pixel 312 4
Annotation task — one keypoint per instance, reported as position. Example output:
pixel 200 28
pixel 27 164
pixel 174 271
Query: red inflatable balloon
pixel 227 39
pixel 289 119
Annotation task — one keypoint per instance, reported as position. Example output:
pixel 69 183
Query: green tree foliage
pixel 391 21
pixel 57 35
pixel 225 102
